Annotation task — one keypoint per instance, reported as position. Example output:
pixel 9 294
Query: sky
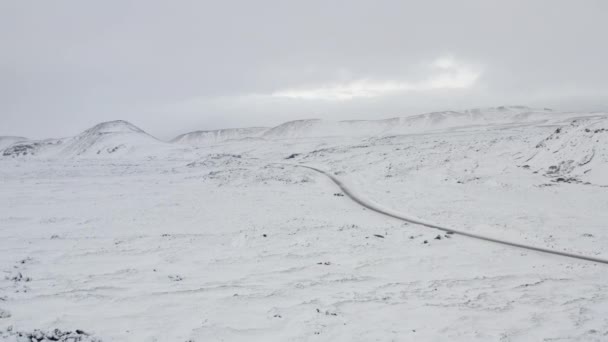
pixel 172 67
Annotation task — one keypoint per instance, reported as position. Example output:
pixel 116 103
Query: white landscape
pixel 115 235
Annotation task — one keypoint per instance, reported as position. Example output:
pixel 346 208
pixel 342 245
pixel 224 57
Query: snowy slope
pixel 226 242
pixel 418 123
pixel 34 148
pixel 322 128
pixel 6 141
pixel 477 116
pixel 115 139
pixel 491 116
pixel 202 138
pixel 575 152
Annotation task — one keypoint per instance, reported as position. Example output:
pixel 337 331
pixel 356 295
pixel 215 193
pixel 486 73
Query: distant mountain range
pixel 121 138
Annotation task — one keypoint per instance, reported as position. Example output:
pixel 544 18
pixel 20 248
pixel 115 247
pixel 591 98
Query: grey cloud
pixel 183 65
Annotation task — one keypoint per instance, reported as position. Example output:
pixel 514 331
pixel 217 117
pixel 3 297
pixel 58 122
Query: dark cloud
pixel 183 65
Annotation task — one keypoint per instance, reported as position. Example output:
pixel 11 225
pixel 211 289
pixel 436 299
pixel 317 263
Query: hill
pixel 107 139
pixel 200 138
pixel 6 141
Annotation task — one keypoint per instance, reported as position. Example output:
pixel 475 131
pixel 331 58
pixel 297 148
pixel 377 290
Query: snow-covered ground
pixel 212 237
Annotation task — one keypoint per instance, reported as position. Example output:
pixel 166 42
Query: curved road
pixel 388 212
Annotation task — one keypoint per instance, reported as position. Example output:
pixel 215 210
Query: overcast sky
pixel 176 66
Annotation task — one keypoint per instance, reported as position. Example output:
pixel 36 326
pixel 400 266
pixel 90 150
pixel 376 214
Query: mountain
pixel 6 141
pixel 201 138
pixel 121 138
pixel 108 139
pixel 413 124
pixel 30 148
pixel 321 128
pixel 312 128
pixel 113 137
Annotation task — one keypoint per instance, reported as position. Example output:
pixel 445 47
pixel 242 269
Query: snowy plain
pixel 213 237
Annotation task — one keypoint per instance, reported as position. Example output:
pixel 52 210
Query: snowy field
pixel 213 237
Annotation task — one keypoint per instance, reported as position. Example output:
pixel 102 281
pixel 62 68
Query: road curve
pixel 388 212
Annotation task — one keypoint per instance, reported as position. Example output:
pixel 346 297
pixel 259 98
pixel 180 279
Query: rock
pixel 4 314
pixel 52 335
pixel 176 278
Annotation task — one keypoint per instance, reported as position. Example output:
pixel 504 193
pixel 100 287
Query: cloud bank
pixel 178 66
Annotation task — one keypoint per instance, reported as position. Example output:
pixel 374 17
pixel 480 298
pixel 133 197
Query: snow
pixel 113 139
pixel 314 128
pixel 575 152
pixel 6 141
pixel 202 138
pixel 223 241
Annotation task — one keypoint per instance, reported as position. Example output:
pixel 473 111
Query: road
pixel 388 212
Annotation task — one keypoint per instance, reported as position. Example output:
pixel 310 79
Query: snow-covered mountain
pixel 312 128
pixel 30 148
pixel 6 141
pixel 114 138
pixel 121 138
pixel 201 138
pixel 417 123
pixel 476 116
